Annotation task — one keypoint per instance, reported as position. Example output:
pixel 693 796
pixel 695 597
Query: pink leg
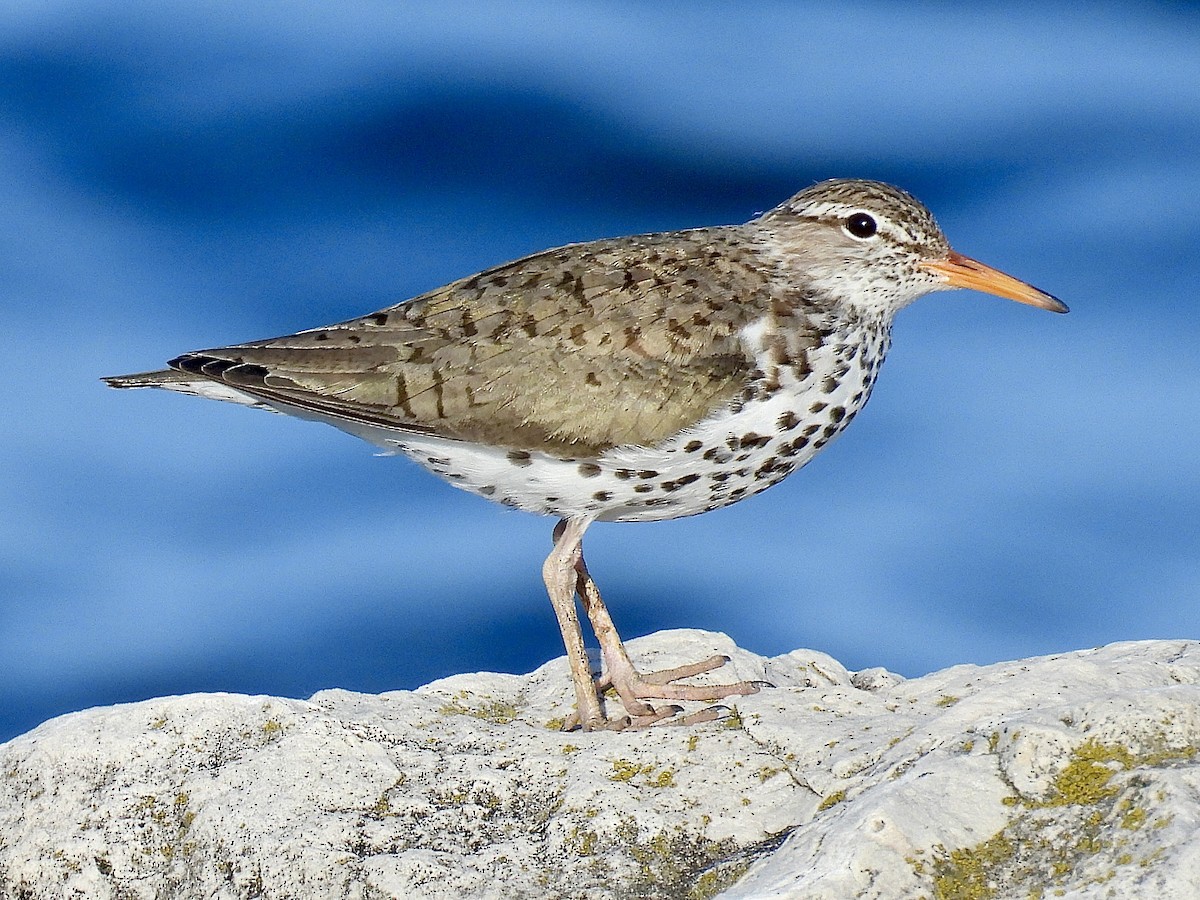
pixel 560 576
pixel 633 687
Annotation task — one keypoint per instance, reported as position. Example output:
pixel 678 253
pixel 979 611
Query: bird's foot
pixel 633 688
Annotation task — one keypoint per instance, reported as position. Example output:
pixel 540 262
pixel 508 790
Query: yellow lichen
pixel 498 712
pixel 625 770
pixel 964 874
pixel 664 779
pixel 1050 838
pixel 831 800
pixel 1134 819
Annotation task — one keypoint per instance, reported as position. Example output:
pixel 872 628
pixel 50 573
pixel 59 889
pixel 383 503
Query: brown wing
pixel 572 350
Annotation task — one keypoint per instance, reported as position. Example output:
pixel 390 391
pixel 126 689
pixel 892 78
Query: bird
pixel 627 379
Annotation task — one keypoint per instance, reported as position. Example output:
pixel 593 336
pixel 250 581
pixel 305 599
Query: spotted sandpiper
pixel 625 380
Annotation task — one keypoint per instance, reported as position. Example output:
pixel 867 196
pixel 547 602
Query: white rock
pixel 1073 775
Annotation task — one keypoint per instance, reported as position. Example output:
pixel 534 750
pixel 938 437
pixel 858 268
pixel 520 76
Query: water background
pixel 180 175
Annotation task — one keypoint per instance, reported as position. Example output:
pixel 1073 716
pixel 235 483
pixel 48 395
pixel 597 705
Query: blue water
pixel 181 175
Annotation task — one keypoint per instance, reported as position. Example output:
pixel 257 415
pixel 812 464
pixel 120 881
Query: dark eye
pixel 861 225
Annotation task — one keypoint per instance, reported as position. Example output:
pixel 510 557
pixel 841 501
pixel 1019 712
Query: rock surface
pixel 1072 775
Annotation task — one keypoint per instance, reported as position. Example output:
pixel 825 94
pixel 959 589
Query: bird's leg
pixel 560 576
pixel 617 665
pixel 633 687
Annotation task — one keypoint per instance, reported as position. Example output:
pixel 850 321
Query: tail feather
pixel 187 383
pixel 161 378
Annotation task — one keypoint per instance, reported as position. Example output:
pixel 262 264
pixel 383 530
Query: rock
pixel 1072 775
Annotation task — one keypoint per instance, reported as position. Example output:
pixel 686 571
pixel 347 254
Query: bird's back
pixel 572 350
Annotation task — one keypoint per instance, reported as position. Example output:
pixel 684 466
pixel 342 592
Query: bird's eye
pixel 860 225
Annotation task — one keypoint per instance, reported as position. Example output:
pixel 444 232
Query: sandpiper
pixel 624 380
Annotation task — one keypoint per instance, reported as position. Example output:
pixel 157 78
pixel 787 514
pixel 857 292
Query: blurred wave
pixel 189 174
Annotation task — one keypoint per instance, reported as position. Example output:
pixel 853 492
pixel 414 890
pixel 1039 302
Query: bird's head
pixel 876 247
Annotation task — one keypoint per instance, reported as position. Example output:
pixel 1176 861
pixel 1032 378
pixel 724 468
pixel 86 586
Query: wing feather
pixel 573 350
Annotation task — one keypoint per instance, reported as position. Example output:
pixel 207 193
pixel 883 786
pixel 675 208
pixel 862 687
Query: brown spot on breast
pixel 589 470
pixel 793 447
pixel 519 458
pixel 788 421
pixel 643 488
pixel 692 446
pixel 679 482
pixel 837 413
pixel 817 407
pixel 775 468
pixel 602 496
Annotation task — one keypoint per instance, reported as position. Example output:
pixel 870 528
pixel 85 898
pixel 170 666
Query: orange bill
pixel 963 272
